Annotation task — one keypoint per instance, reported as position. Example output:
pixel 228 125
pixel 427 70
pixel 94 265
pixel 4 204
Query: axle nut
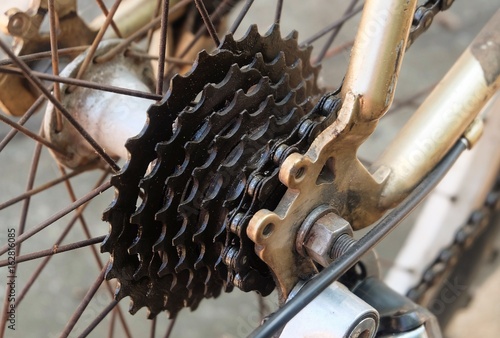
pixel 322 236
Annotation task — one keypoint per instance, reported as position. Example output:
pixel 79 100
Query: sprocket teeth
pixel 135 306
pixel 214 130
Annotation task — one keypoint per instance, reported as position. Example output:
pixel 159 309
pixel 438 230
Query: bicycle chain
pixel 207 175
pixel 424 15
pixel 182 244
pixel 464 238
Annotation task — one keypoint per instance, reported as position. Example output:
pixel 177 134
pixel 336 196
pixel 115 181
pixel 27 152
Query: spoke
pixel 85 301
pixel 111 332
pixel 156 13
pixel 91 52
pixel 105 11
pixel 35 81
pixel 98 319
pixel 86 84
pixel 163 47
pixel 334 33
pixel 58 215
pixel 332 26
pixel 58 242
pixel 178 61
pixel 241 16
pixel 397 105
pixel 263 308
pixel 20 230
pixel 92 248
pixel 55 58
pixel 44 55
pixel 78 215
pixel 55 250
pixel 335 50
pixel 170 327
pixel 33 109
pixel 45 186
pixel 153 328
pixel 42 265
pixel 30 134
pixel 215 16
pixel 208 23
pixel 279 10
pixel 138 34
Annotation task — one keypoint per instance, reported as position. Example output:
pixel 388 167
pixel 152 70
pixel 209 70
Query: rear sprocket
pixel 206 160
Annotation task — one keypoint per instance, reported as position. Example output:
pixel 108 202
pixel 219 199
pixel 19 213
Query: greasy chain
pixel 424 15
pixel 465 236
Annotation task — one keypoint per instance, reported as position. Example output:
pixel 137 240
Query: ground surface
pixel 65 281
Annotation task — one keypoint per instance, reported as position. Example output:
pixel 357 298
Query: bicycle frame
pixel 448 114
pixel 442 118
pixel 362 195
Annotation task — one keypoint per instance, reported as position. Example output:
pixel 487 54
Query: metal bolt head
pixel 17 22
pixel 323 235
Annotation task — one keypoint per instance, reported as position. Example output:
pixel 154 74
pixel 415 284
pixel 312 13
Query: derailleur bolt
pixel 343 243
pixel 324 236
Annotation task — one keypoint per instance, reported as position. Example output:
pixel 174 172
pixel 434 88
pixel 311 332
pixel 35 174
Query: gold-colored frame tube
pixel 443 117
pixel 377 55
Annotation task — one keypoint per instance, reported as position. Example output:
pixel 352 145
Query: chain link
pixel 424 15
pixel 464 238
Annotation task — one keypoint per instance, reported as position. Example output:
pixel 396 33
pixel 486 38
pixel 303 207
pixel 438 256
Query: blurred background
pixel 61 286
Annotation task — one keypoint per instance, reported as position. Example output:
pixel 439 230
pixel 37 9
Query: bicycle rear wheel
pixel 65 268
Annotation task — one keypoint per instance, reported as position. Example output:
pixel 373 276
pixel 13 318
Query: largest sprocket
pixel 204 163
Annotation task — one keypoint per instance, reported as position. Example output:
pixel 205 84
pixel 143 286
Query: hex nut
pixel 322 236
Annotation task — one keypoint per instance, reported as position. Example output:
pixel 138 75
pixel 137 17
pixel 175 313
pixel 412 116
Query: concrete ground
pixel 60 288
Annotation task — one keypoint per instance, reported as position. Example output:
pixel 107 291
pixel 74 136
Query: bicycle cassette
pixel 205 162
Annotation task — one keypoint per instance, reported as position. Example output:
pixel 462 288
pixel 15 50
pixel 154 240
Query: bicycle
pixel 191 269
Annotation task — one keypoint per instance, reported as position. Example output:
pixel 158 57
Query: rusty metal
pixel 174 11
pixel 263 87
pixel 55 250
pixel 35 81
pixel 322 235
pixel 32 135
pixel 424 15
pixel 129 18
pixel 208 22
pixel 86 84
pixel 105 11
pixel 97 40
pixel 162 47
pixel 427 136
pixel 329 172
pixel 16 96
pixel 433 277
pixel 55 57
pixel 377 55
pixel 32 110
pixel 43 187
pixel 325 49
pixel 82 200
pixel 72 51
